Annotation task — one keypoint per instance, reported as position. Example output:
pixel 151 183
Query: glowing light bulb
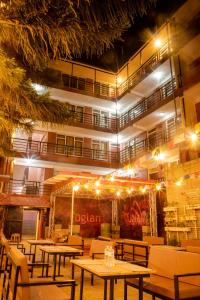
pixel 179 182
pixel 97 183
pixel 158 43
pixel 86 186
pixel 98 192
pixel 118 193
pixel 194 137
pixel 76 188
pixel 158 187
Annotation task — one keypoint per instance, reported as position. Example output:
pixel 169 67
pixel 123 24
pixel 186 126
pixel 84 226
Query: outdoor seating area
pixel 141 269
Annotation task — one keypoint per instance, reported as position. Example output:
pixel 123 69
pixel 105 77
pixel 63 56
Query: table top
pixel 40 242
pixel 169 247
pixel 120 268
pixel 60 250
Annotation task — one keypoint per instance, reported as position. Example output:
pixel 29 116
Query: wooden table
pixel 36 243
pixel 59 251
pixel 120 270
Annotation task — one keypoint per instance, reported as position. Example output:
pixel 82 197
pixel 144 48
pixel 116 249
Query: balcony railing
pixel 153 62
pixel 140 147
pixel 21 187
pixel 148 104
pixel 37 148
pixel 103 90
pixel 94 121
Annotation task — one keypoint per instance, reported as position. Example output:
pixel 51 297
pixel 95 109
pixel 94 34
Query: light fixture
pixel 144 189
pixel 158 75
pixel 98 192
pixel 160 156
pixel 29 161
pixel 112 178
pixel 119 80
pixel 194 137
pixel 158 187
pixel 97 183
pixel 179 182
pixel 118 193
pixel 86 186
pixel 129 191
pixel 157 43
pixel 76 188
pixel 40 89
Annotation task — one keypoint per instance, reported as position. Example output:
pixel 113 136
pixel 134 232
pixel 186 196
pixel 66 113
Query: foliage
pixel 35 31
pixel 55 28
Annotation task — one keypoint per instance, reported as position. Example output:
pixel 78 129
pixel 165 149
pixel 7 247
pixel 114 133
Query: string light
pixel 158 187
pixel 98 192
pixel 112 178
pixel 118 193
pixel 97 183
pixel 76 188
pixel 179 182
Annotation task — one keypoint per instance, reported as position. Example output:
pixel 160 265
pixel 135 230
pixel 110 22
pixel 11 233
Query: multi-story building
pixel 139 121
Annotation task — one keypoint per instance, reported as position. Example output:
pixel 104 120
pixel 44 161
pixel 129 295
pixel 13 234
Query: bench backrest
pixel 98 246
pixel 140 249
pixel 195 243
pixel 5 247
pixel 19 273
pixel 75 240
pixel 167 263
pixel 154 240
pixel 193 249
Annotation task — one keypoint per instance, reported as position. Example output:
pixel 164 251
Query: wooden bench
pixel 18 286
pixel 177 275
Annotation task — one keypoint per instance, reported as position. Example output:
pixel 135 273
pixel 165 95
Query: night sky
pixel 135 37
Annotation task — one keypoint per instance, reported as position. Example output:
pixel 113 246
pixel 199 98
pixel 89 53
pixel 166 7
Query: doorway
pixel 30 224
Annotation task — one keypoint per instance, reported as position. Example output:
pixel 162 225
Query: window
pixel 100 118
pixel 60 144
pixel 99 150
pixel 69 145
pixel 77 113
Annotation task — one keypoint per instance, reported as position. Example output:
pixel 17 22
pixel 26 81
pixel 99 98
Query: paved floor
pixel 90 292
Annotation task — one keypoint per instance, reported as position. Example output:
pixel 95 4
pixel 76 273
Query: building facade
pixel 140 122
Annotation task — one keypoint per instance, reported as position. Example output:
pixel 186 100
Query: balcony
pixel 149 66
pixel 63 153
pixel 160 97
pixel 93 121
pixel 139 148
pixel 80 85
pixel 31 188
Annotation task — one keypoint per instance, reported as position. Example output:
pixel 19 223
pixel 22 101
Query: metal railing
pixel 148 104
pixel 109 91
pixel 140 147
pixel 37 148
pixel 149 66
pixel 96 121
pixel 22 187
pixel 89 87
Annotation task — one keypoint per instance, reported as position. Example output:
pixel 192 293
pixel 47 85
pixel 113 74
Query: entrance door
pixel 29 225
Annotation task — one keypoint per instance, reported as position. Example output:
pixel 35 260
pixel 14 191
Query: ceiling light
pixel 157 43
pixel 97 183
pixel 118 193
pixel 158 75
pixel 40 89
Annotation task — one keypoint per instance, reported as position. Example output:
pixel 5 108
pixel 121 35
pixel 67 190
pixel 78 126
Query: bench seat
pixel 158 285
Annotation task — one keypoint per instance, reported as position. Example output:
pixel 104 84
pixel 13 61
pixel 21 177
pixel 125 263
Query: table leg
pixel 140 288
pixel 105 290
pixel 81 284
pixel 59 262
pixel 54 266
pixel 112 289
pixel 73 266
pixel 43 260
